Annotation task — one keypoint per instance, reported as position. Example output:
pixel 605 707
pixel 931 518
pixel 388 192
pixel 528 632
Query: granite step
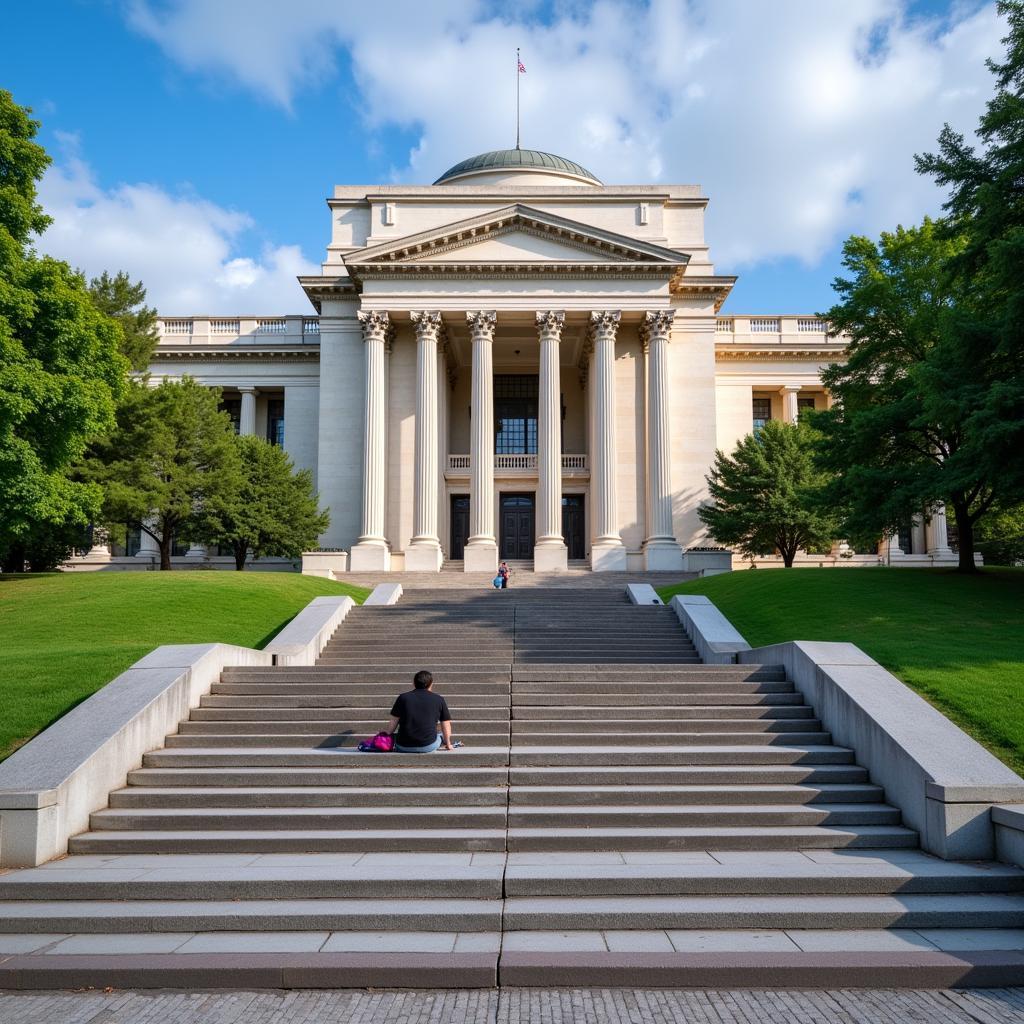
pixel 725 775
pixel 646 815
pixel 763 839
pixel 386 775
pixel 411 817
pixel 680 755
pixel 670 720
pixel 247 712
pixel 910 910
pixel 338 740
pixel 250 796
pixel 190 915
pixel 304 757
pixel 292 841
pixel 467 726
pixel 467 701
pixel 586 713
pixel 666 734
pixel 629 700
pixel 690 796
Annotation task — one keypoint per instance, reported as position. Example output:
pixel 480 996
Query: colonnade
pixel 372 552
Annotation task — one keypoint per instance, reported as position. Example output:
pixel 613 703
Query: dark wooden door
pixel 460 526
pixel 572 525
pixel 517 526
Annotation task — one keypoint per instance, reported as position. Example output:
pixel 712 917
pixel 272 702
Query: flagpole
pixel 517 96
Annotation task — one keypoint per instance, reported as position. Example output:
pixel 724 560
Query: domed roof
pixel 517 159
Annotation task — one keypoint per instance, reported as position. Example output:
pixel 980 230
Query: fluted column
pixel 247 415
pixel 938 535
pixel 607 551
pixel 371 552
pixel 549 553
pixel 661 551
pixel 424 551
pixel 481 551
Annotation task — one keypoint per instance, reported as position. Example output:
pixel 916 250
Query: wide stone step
pixel 626 700
pixel 426 840
pixel 717 837
pixel 643 672
pixel 334 700
pixel 671 692
pixel 671 720
pixel 385 775
pixel 845 872
pixel 222 877
pixel 247 712
pixel 339 740
pixel 365 726
pixel 375 688
pixel 292 819
pixel 304 757
pixel 973 910
pixel 544 712
pixel 696 816
pixel 120 917
pixel 664 734
pixel 250 796
pixel 676 795
pixel 691 775
pixel 368 674
pixel 682 755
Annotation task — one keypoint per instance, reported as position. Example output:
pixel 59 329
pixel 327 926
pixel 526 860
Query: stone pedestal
pixel 370 556
pixel 549 553
pixel 423 558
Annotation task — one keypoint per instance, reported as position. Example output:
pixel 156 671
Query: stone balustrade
pixel 245 330
pixel 459 465
pixel 781 330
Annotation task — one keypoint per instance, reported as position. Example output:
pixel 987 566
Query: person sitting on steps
pixel 415 717
pixel 504 572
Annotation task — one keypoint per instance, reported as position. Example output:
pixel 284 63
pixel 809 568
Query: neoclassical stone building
pixel 518 362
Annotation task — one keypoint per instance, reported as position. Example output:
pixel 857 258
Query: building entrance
pixel 460 527
pixel 517 526
pixel 572 526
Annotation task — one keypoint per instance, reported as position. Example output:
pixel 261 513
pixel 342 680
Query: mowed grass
pixel 63 635
pixel 957 640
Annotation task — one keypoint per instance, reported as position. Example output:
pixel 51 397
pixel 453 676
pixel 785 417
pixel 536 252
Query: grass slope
pixel 957 640
pixel 62 636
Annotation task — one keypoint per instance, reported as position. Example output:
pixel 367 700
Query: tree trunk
pixel 965 535
pixel 165 550
pixel 240 553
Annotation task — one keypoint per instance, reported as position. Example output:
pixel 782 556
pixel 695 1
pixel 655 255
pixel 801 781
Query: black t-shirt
pixel 418 712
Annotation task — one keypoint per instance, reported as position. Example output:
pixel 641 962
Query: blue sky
pixel 194 141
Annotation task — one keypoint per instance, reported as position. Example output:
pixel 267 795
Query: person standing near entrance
pixel 415 718
pixel 504 572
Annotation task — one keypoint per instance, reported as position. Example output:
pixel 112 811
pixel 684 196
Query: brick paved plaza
pixel 510 1006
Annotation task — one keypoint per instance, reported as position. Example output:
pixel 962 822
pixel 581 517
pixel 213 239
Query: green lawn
pixel 958 641
pixel 63 635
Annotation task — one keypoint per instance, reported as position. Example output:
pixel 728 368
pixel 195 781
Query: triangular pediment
pixel 516 235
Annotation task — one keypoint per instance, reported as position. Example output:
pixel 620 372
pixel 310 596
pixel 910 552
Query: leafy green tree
pixel 1000 536
pixel 125 301
pixel 171 455
pixel 767 495
pixel 273 512
pixel 61 373
pixel 986 206
pixel 911 424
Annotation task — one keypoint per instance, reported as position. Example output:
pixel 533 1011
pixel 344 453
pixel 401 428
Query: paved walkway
pixel 510 1006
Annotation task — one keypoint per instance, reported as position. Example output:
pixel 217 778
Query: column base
pixel 98 553
pixel 480 556
pixel 663 556
pixel 370 556
pixel 423 558
pixel 551 557
pixel 608 557
pixel 946 552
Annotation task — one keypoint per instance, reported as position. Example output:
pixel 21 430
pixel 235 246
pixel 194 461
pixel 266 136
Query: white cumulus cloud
pixel 182 247
pixel 799 117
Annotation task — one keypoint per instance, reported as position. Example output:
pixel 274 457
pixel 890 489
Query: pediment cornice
pixel 605 251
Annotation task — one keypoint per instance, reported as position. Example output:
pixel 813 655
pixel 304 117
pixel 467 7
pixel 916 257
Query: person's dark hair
pixel 422 679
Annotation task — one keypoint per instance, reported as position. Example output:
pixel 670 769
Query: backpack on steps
pixel 382 743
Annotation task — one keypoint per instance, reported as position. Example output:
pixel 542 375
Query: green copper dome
pixel 513 159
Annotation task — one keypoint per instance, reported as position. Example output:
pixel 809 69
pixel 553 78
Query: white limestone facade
pixel 517 362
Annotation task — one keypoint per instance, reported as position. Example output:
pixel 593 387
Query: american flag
pixel 522 68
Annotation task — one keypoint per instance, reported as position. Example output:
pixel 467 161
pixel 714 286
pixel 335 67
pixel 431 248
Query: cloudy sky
pixel 194 141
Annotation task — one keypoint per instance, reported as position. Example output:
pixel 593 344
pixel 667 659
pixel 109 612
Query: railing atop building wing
pixel 775 330
pixel 526 464
pixel 255 330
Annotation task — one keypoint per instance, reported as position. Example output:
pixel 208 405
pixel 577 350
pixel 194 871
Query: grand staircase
pixel 620 814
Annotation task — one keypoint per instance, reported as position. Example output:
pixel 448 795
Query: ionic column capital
pixel 429 325
pixel 376 325
pixel 549 324
pixel 657 326
pixel 481 324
